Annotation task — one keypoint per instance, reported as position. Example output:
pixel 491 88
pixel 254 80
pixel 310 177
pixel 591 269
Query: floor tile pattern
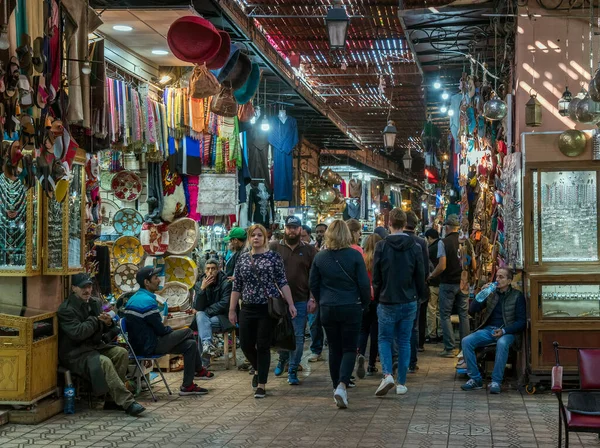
pixel 434 413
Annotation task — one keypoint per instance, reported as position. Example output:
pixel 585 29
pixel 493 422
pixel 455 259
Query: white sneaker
pixel 386 384
pixel 341 398
pixel 401 389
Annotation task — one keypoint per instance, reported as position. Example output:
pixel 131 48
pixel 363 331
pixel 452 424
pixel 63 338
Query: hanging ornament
pixel 575 102
pixel 563 103
pixel 533 112
pixel 572 142
pixel 327 195
pixel 495 108
pixel 587 110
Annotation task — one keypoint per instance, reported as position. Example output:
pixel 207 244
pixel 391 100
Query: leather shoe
pixel 135 409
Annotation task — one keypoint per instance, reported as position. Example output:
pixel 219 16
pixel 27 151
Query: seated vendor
pixel 213 291
pixel 84 336
pixel 148 335
pixel 503 321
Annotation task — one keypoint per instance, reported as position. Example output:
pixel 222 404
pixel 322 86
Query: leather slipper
pixel 25 91
pixel 12 77
pixel 25 54
pixel 39 59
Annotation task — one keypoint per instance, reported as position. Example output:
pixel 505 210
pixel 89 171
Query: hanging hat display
pixel 236 70
pixel 247 91
pixel 221 57
pixel 193 39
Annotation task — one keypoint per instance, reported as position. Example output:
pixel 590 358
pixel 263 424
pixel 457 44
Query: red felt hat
pixel 193 39
pixel 223 54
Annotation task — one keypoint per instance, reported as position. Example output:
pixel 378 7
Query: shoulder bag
pixel 278 307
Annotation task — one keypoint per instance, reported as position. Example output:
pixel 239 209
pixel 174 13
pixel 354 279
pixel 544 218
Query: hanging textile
pixel 283 137
pixel 217 194
pixel 261 208
pixel 258 154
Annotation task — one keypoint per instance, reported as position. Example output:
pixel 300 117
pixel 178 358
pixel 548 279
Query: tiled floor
pixel 434 413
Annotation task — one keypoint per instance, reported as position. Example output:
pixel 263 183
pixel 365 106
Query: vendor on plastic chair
pixel 504 319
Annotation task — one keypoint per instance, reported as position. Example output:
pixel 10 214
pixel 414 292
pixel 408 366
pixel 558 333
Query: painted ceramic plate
pixel 181 269
pixel 125 277
pixel 127 186
pixel 127 249
pixel 128 222
pixel 106 178
pixel 154 238
pixel 177 294
pixel 183 236
pixel 108 209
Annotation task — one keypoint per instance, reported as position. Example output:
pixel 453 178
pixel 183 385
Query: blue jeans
pixel 206 326
pixel 395 324
pixel 299 323
pixel 316 332
pixel 451 297
pixel 481 338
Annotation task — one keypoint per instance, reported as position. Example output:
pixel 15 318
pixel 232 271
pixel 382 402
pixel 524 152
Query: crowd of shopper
pixel 390 292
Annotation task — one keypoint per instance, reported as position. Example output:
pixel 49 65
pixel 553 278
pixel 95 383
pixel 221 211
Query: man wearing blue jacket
pixel 504 319
pixel 148 335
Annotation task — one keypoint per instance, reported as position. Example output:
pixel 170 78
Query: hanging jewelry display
pixel 13 208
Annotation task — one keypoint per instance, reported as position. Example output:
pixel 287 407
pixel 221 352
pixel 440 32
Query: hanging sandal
pixel 39 59
pixel 12 77
pixel 25 91
pixel 25 54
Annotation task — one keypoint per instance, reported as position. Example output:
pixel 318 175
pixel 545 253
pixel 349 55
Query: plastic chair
pixel 138 359
pixel 581 413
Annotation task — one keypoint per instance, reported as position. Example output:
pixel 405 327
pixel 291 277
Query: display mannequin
pixel 261 207
pixel 282 115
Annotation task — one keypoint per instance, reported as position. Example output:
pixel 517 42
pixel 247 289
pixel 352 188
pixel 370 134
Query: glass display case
pixel 568 301
pixel 64 229
pixel 20 212
pixel 565 216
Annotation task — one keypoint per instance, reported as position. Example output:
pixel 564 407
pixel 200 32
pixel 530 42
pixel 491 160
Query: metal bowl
pixel 572 142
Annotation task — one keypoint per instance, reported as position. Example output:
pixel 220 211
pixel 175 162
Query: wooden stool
pixel 226 335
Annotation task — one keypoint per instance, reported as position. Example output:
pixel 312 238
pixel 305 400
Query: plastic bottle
pixel 69 394
pixel 165 311
pixel 485 292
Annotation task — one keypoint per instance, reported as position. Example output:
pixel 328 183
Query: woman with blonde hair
pixel 259 274
pixel 369 320
pixel 340 284
pixel 355 233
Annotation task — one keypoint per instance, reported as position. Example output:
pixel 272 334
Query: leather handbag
pixel 246 112
pixel 224 104
pixel 278 307
pixel 203 83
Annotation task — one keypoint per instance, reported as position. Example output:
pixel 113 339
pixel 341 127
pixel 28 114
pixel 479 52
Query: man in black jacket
pixel 418 332
pixel 84 333
pixel 398 282
pixel 213 291
pixel 503 321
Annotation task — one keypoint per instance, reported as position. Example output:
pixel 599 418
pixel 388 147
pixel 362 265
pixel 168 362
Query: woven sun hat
pixel 177 295
pixel 247 91
pixel 236 70
pixel 193 39
pixel 181 269
pixel 221 57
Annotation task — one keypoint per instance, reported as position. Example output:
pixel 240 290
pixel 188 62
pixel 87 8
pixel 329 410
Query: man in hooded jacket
pixel 398 283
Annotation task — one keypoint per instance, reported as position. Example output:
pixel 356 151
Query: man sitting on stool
pixel 213 291
pixel 148 335
pixel 503 321
pixel 84 336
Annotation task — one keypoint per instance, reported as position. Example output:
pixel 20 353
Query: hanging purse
pixel 203 83
pixel 224 104
pixel 246 112
pixel 278 307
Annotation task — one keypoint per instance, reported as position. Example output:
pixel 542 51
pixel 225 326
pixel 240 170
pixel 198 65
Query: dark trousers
pixel 422 322
pixel 181 342
pixel 418 328
pixel 342 327
pixel 255 338
pixel 316 332
pixel 369 327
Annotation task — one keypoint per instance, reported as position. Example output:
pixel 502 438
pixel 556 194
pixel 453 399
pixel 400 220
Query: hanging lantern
pixel 389 135
pixel 574 103
pixel 337 25
pixel 533 112
pixel 407 160
pixel 563 102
